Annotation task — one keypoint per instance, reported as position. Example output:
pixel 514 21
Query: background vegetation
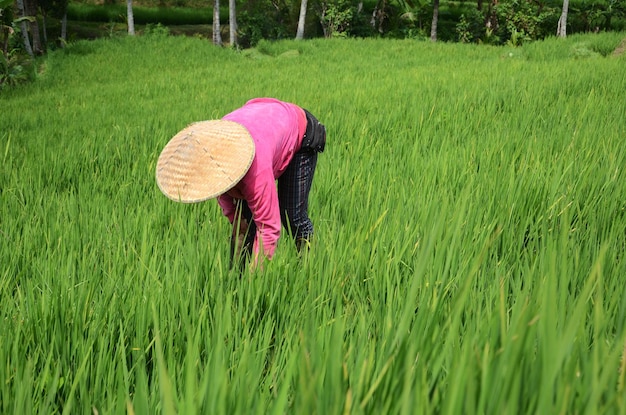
pixel 50 24
pixel 458 20
pixel 469 248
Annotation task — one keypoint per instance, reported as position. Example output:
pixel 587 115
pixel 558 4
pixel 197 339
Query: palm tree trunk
pixel 433 26
pixel 30 7
pixel 301 20
pixel 217 34
pixel 561 29
pixel 232 22
pixel 24 28
pixel 131 17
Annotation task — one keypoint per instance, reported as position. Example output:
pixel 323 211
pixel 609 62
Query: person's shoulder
pixel 270 100
pixel 264 100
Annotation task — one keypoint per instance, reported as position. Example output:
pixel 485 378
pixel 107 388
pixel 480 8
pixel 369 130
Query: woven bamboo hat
pixel 204 160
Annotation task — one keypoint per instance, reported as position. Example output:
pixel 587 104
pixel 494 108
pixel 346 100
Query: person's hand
pixel 240 229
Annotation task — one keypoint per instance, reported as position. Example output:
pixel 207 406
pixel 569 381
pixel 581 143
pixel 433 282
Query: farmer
pixel 238 159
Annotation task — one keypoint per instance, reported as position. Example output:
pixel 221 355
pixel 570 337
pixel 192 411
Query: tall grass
pixel 469 249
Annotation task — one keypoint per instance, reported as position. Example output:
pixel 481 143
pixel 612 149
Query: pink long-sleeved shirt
pixel 277 129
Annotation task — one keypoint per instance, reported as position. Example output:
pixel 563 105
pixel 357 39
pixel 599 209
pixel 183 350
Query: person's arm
pixel 262 200
pixel 227 203
pixel 240 227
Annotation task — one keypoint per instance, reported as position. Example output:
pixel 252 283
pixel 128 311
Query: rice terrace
pixel 470 233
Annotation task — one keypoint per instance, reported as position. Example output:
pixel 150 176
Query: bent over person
pixel 259 161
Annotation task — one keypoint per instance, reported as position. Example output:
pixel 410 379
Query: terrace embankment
pixel 621 48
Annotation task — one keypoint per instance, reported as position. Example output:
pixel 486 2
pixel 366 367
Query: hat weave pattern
pixel 204 160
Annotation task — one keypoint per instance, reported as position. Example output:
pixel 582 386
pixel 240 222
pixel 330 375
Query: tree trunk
pixel 64 29
pixel 378 16
pixel 130 17
pixel 37 45
pixel 45 28
pixel 301 20
pixel 30 8
pixel 217 34
pixel 433 26
pixel 491 18
pixel 6 32
pixel 24 28
pixel 232 21
pixel 561 29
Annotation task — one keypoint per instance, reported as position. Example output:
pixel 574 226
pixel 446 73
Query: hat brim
pixel 204 160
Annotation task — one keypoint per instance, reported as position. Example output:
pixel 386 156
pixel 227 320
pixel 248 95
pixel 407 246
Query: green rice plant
pixel 576 46
pixel 469 234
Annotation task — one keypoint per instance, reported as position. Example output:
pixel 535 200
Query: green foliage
pixel 395 21
pixel 598 15
pixel 468 254
pixel 342 18
pixel 471 26
pixel 156 30
pixel 515 21
pixel 15 68
pixel 6 12
pixel 521 21
pixel 336 16
pixel 257 20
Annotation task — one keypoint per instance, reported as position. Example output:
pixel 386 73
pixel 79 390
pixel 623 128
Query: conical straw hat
pixel 204 160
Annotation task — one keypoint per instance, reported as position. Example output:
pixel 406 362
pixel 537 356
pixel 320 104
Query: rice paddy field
pixel 469 252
